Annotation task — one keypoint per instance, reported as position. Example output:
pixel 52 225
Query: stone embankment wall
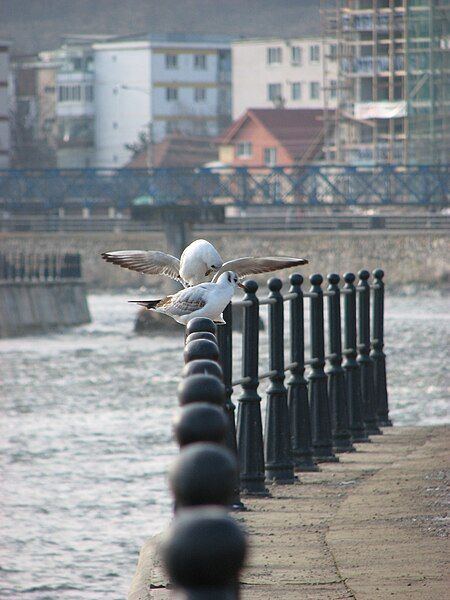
pixel 407 257
pixel 28 307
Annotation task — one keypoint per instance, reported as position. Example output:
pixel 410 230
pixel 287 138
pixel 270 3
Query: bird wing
pixel 185 301
pixel 151 262
pixel 250 265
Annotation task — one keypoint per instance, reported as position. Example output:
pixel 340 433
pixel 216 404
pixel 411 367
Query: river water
pixel 85 440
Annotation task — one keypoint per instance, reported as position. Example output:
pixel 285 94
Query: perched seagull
pixel 198 262
pixel 203 300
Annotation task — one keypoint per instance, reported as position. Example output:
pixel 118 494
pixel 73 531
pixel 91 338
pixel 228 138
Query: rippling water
pixel 85 440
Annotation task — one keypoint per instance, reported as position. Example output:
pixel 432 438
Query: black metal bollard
pixel 199 349
pixel 201 335
pixel 225 339
pixel 279 465
pixel 336 375
pixel 201 388
pixel 200 325
pixel 249 423
pixel 377 354
pixel 204 474
pixel 351 367
pixel 203 554
pixel 200 422
pixel 364 360
pixel 202 367
pixel 318 395
pixel 297 385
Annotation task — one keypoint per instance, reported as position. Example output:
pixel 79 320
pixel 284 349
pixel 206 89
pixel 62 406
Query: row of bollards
pixel 204 549
pixel 19 266
pixel 342 400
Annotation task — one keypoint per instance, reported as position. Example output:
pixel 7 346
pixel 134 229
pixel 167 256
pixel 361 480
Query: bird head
pixel 212 260
pixel 230 278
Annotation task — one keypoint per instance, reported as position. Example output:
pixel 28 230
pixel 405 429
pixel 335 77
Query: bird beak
pixel 208 272
pixel 241 285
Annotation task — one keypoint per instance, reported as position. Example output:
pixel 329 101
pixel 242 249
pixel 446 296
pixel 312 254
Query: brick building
pixel 273 137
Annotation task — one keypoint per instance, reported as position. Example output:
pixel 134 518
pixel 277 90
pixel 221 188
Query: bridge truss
pixel 314 186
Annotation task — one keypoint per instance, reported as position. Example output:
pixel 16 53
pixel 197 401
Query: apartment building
pixel 156 85
pixel 5 137
pixel 274 73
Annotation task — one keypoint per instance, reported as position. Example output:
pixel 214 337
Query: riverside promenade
pixel 369 527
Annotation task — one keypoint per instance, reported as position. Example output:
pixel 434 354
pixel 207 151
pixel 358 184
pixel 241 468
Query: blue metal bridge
pixel 24 190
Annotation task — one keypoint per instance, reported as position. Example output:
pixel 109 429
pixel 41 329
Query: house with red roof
pixel 273 137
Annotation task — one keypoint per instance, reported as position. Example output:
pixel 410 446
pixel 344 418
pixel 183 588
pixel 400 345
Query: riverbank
pixel 370 527
pixel 409 258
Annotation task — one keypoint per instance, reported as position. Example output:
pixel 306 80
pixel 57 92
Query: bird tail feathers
pixel 147 303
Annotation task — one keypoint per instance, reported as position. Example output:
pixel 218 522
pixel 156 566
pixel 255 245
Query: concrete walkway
pixel 369 527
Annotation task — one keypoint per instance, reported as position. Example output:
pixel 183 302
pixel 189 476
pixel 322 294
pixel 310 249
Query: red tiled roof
pixel 299 130
pixel 178 151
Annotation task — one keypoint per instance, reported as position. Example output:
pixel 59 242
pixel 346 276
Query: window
pixel 171 61
pixel 89 93
pixel 333 88
pixel 333 52
pixel 200 62
pixel 296 90
pixel 274 92
pixel 270 157
pixel 314 90
pixel 171 94
pixel 200 94
pixel 69 93
pixel 314 53
pixel 244 150
pixel 49 89
pixel 296 55
pixel 274 56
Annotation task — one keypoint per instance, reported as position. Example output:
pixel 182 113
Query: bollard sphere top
pixel 201 324
pixel 296 279
pixel 200 422
pixel 250 286
pixel 204 474
pixel 202 367
pixel 363 274
pixel 201 388
pixel 204 547
pixel 378 273
pixel 316 279
pixel 333 278
pixel 349 277
pixel 275 284
pixel 201 349
pixel 201 335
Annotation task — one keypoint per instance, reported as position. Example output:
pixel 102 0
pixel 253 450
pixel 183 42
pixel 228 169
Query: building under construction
pixel 393 82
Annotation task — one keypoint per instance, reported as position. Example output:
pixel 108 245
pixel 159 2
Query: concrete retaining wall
pixel 407 257
pixel 34 306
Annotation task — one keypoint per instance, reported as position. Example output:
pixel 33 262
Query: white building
pixel 275 72
pixel 5 136
pixel 157 85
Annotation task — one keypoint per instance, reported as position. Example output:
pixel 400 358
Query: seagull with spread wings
pixel 199 262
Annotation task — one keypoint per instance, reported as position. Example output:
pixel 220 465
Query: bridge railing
pixel 309 185
pixel 19 266
pixel 307 423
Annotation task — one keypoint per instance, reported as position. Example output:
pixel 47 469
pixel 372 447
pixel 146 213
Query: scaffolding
pixel 393 81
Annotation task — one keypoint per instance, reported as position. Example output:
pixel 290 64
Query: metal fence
pixel 308 421
pixel 18 266
pixel 308 185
